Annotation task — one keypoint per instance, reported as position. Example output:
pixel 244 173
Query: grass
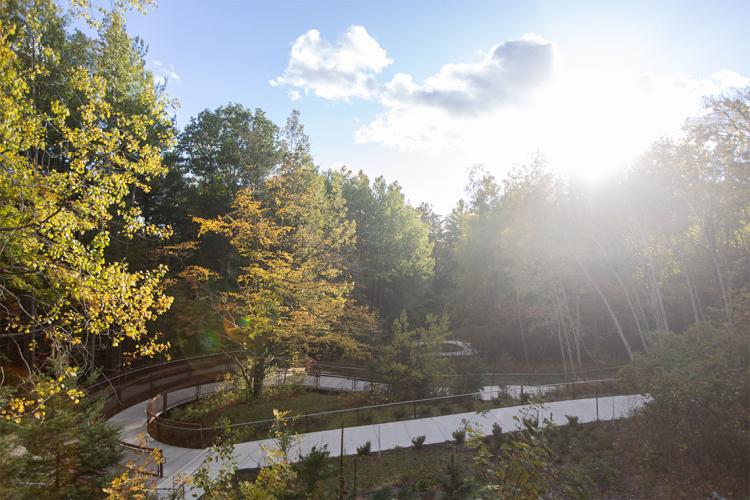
pixel 301 401
pixel 390 470
pixel 595 460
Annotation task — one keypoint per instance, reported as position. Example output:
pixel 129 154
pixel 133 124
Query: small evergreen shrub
pixel 459 436
pixel 418 441
pixel 365 449
pixel 313 468
pixel 497 431
pixel 572 420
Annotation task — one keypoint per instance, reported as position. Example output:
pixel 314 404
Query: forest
pixel 127 241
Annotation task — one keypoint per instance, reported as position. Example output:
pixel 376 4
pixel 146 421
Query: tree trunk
pixel 259 375
pixel 612 314
pixel 625 292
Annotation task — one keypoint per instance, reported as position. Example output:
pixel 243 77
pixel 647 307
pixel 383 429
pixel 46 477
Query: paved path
pixel 184 461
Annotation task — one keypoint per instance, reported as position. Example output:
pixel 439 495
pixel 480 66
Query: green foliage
pixel 394 253
pixel 454 482
pixel 364 450
pixel 77 138
pixel 417 442
pixel 292 295
pixel 412 364
pixel 273 482
pixel 459 436
pixel 522 467
pixel 313 468
pixel 69 454
pixel 699 387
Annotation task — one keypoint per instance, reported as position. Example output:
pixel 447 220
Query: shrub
pixel 572 420
pixel 459 435
pixel 312 468
pixel 364 450
pixel 400 412
pixel 417 442
pixel 445 409
pixel 699 389
pixel 497 431
pixel 453 482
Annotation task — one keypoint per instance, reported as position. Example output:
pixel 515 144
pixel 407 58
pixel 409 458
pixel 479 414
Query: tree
pixel 412 365
pixel 394 264
pixel 69 454
pixel 225 150
pixel 293 295
pixel 68 161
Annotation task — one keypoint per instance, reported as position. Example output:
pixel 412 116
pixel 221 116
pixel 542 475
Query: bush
pixel 497 431
pixel 453 482
pixel 365 449
pixel 698 410
pixel 399 412
pixel 312 468
pixel 445 409
pixel 459 435
pixel 572 421
pixel 417 442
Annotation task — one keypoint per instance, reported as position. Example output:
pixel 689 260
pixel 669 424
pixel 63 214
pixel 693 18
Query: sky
pixel 422 91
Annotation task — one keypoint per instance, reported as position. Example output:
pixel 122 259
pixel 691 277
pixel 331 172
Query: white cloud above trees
pixel 515 99
pixel 334 71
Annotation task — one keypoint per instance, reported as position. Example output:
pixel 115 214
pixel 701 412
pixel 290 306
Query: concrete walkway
pixel 180 462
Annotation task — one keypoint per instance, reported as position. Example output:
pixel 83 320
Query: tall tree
pixel 293 295
pixel 68 161
pixel 394 253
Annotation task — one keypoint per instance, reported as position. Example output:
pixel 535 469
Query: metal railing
pixel 201 435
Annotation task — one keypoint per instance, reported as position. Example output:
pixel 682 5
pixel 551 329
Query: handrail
pixel 198 436
pixel 382 405
pixel 130 373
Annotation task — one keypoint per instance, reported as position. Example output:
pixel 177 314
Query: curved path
pixel 180 462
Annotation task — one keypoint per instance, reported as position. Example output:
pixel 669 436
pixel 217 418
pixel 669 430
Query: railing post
pixel 164 401
pixel 597 404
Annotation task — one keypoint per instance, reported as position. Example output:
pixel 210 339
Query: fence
pixel 200 435
pixel 142 383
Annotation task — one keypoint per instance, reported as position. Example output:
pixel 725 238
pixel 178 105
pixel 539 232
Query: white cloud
pixel 342 70
pixel 586 124
pixel 507 75
pixel 163 72
pixel 515 99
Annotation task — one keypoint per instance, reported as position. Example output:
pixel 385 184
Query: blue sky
pixel 526 77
